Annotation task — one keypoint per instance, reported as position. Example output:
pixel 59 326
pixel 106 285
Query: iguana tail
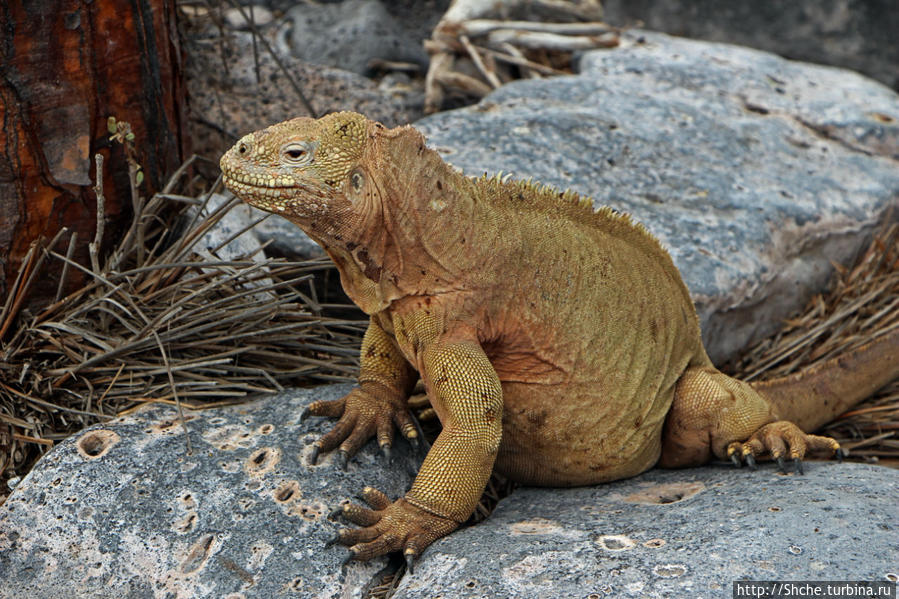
pixel 816 396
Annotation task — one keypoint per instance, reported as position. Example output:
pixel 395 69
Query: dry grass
pixel 162 320
pixel 863 302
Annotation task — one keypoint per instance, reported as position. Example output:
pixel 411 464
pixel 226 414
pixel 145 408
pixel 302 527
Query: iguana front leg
pixel 379 403
pixel 466 393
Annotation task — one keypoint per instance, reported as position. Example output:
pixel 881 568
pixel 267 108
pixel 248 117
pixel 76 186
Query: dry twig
pixel 526 47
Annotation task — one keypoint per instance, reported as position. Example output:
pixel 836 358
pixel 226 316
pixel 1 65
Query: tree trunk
pixel 68 65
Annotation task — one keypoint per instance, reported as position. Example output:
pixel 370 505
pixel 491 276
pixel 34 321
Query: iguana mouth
pixel 275 193
pixel 235 178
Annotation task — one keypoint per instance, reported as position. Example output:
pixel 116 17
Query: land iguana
pixel 558 344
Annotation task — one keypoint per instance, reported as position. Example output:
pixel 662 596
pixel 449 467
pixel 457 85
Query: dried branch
pixel 471 29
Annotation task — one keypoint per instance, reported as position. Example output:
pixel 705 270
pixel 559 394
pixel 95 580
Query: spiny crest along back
pixel 566 204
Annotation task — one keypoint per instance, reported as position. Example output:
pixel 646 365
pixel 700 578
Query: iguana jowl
pixel 557 344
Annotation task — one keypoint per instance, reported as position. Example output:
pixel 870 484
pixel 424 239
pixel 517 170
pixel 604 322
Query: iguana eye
pixel 298 153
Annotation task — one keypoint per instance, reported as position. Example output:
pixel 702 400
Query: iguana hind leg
pixel 717 415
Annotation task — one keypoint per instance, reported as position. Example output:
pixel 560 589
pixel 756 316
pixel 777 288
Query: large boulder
pixel 756 172
pixel 124 510
pixel 685 533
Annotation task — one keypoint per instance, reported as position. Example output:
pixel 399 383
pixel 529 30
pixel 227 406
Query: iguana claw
pixel 341 459
pixel 797 465
pixel 750 461
pixel 781 464
pixel 735 460
pixel 313 455
pixel 410 560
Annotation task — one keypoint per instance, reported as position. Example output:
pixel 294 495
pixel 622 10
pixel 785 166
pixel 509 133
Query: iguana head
pixel 352 185
pixel 385 207
pixel 303 169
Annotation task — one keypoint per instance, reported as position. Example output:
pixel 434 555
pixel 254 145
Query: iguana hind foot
pixel 715 414
pixel 386 527
pixel 779 440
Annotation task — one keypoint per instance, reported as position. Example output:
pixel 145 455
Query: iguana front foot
pixel 778 440
pixel 364 412
pixel 397 526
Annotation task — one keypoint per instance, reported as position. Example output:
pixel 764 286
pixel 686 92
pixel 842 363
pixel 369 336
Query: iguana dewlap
pixel 557 344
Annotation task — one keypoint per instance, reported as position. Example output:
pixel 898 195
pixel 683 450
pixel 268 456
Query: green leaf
pixel 130 136
pixel 111 124
pixel 139 177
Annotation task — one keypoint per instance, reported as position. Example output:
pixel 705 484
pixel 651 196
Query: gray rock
pixel 283 237
pixel 224 241
pixel 856 34
pixel 348 35
pixel 756 172
pixel 122 510
pixel 682 533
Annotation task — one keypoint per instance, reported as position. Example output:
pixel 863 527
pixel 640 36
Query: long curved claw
pixel 351 555
pixel 797 465
pixel 386 452
pixel 341 459
pixel 365 412
pixel 781 464
pixel 750 461
pixel 313 455
pixel 333 540
pixel 735 460
pixel 840 454
pixel 410 561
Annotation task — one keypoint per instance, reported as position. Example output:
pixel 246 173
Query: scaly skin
pixel 557 344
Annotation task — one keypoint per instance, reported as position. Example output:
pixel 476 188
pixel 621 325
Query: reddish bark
pixel 67 65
